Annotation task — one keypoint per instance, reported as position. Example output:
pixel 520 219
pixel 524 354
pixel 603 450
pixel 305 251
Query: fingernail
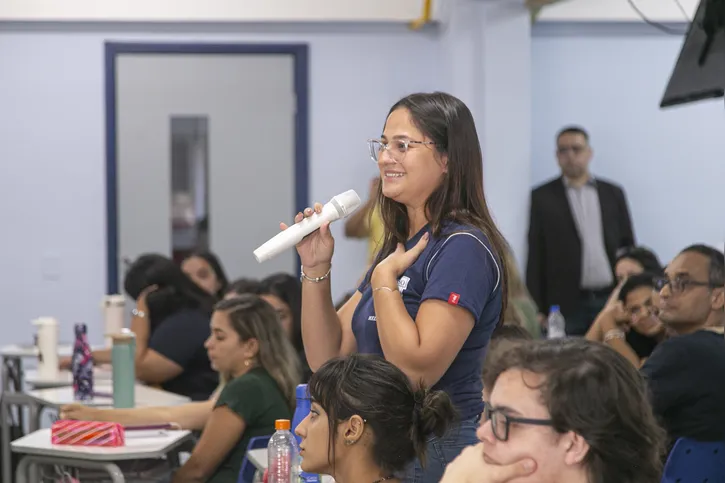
pixel 528 465
pixel 426 236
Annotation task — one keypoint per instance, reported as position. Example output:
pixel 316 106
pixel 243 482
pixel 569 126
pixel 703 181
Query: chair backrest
pixel 247 471
pixel 696 462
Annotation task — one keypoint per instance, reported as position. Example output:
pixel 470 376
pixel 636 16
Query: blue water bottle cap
pixel 554 308
pixel 302 392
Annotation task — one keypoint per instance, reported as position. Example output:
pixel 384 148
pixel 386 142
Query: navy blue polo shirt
pixel 457 267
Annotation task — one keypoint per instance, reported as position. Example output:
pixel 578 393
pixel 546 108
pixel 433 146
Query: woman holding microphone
pixel 434 293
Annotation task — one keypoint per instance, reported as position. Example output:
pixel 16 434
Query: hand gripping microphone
pixel 339 207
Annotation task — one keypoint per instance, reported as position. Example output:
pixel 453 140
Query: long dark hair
pixel 645 257
pixel 595 392
pixel 447 122
pixel 216 267
pixel 176 291
pixel 358 385
pixel 289 290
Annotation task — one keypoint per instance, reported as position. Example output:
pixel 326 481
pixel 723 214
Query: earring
pixel 349 442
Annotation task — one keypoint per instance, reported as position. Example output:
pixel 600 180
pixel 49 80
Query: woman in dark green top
pixel 249 344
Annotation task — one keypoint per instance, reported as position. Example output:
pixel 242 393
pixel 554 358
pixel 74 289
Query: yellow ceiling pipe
pixel 425 17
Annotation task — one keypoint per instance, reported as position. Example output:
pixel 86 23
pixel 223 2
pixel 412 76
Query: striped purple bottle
pixel 82 365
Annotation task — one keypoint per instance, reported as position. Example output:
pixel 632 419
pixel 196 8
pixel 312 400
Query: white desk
pixel 64 378
pixel 258 457
pixel 39 399
pixel 38 449
pixel 145 396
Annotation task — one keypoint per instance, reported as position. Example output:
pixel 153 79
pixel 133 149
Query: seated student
pixel 192 416
pixel 629 324
pixel 636 260
pixel 366 423
pixel 205 270
pixel 171 323
pixel 284 292
pixel 685 372
pixel 503 336
pixel 248 343
pixel 633 261
pixel 563 411
pixel 241 286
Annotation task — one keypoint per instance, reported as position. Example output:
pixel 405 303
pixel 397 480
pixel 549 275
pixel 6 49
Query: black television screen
pixel 700 69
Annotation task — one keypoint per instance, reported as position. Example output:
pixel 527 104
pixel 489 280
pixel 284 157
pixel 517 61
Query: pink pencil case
pixel 95 433
pixel 87 433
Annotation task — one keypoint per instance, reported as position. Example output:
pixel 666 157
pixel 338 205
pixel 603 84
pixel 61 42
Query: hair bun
pixel 433 413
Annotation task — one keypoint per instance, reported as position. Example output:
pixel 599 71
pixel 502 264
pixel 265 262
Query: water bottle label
pixel 309 478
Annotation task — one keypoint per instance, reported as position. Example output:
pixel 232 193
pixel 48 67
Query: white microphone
pixel 338 207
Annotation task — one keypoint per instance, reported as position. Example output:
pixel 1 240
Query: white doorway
pixel 207 149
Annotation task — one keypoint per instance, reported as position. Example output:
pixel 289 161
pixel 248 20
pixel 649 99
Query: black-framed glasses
pixel 680 284
pixel 397 148
pixel 501 422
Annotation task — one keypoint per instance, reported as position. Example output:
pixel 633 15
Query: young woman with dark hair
pixel 630 324
pixel 171 323
pixel 635 261
pixel 205 269
pixel 366 422
pixel 284 292
pixel 437 287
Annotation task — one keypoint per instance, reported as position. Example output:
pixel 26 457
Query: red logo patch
pixel 453 298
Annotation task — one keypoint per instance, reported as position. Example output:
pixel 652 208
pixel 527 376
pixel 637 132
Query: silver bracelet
pixel 384 288
pixel 614 334
pixel 304 276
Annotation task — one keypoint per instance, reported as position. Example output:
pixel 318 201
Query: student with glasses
pixel 437 287
pixel 685 372
pixel 563 411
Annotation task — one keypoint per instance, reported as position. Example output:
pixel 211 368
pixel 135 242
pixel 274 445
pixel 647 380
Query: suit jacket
pixel 553 271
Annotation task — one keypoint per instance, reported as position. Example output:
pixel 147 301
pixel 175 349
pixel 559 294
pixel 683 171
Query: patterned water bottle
pixel 82 365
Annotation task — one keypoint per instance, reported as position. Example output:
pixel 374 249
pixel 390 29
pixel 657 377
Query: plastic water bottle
pixel 283 455
pixel 82 365
pixel 301 411
pixel 556 323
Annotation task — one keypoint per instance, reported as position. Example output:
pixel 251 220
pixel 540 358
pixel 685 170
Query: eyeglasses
pixel 397 149
pixel 679 284
pixel 501 422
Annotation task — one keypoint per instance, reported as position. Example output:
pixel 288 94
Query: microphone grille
pixel 346 202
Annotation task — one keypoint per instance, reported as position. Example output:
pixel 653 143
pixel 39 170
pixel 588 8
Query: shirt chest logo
pixel 403 284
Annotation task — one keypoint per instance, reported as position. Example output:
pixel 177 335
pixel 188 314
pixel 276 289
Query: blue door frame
pixel 300 53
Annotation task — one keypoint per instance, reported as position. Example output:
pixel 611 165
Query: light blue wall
pixel 52 147
pixel 671 162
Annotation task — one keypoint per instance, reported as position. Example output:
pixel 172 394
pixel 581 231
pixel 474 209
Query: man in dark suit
pixel 576 227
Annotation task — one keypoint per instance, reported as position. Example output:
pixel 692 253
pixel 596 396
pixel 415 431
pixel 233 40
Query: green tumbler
pixel 123 356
